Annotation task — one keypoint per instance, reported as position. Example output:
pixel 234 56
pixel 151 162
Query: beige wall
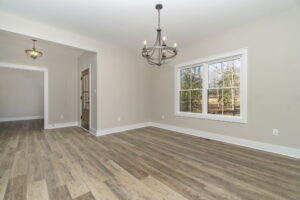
pixel 124 87
pixel 84 61
pixel 21 93
pixel 62 72
pixel 273 80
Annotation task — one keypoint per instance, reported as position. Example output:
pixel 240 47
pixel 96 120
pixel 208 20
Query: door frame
pixel 39 69
pixel 90 96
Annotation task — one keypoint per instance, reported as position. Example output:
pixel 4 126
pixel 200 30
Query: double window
pixel 213 88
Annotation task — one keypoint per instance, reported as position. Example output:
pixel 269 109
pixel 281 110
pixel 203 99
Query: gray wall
pixel 21 93
pixel 62 72
pixel 273 80
pixel 84 61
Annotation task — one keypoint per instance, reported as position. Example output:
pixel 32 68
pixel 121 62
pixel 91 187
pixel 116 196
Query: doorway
pixel 38 69
pixel 85 98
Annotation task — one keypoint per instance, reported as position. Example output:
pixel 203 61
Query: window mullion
pixel 205 88
pixel 190 92
pixel 222 99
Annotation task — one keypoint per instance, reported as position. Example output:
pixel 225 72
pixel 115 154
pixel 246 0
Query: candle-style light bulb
pixel 175 45
pixel 145 42
pixel 164 38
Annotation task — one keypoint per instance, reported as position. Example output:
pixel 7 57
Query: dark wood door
pixel 85 99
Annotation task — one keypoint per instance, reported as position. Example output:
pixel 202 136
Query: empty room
pixel 149 100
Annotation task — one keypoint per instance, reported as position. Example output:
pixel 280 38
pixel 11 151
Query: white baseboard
pixel 93 131
pixel 283 150
pixel 9 119
pixel 61 125
pixel 122 128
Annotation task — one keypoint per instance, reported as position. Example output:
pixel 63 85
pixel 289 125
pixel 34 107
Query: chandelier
pixel 160 53
pixel 33 53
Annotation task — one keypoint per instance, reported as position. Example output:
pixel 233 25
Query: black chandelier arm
pixel 164 61
pixel 169 57
pixel 159 64
pixel 151 51
pixel 156 60
pixel 153 62
pixel 159 47
pixel 148 52
pixel 172 51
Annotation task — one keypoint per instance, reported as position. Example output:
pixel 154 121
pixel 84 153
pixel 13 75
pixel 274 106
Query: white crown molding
pixel 24 67
pixel 283 150
pixel 8 119
pixel 122 128
pixel 61 125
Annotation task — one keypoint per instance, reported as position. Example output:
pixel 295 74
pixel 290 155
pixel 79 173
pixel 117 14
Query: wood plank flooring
pixel 142 164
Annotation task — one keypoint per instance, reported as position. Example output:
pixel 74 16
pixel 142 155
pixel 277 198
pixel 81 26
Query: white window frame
pixel 203 62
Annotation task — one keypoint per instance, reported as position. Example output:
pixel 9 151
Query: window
pixel 191 90
pixel 213 88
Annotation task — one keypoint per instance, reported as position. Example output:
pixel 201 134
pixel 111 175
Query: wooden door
pixel 85 99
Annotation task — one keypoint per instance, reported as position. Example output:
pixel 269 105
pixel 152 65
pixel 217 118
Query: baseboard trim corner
pixel 93 131
pixel 278 149
pixel 122 128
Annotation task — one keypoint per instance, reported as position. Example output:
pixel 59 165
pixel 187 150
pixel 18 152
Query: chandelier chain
pixel 159 19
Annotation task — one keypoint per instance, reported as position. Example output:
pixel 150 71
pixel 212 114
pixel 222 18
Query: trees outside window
pixel 191 90
pixel 224 87
pixel 213 88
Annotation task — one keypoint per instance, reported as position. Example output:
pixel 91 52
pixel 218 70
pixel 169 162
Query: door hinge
pixel 81 97
pixel 80 78
pixel 81 117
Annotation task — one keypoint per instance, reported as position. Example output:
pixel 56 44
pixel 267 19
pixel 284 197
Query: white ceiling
pixel 132 21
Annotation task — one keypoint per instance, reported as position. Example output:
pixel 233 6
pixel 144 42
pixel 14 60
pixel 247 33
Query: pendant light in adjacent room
pixel 33 53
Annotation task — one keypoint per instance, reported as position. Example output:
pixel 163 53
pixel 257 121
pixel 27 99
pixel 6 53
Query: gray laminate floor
pixel 147 163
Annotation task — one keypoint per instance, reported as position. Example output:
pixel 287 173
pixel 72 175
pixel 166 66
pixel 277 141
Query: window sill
pixel 212 117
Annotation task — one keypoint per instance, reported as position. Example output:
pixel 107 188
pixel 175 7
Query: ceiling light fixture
pixel 33 53
pixel 160 53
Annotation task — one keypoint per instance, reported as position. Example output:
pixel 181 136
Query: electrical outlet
pixel 119 119
pixel 275 132
pixel 62 116
pixel 163 117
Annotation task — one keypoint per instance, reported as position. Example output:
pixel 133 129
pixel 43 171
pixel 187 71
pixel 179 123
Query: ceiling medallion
pixel 33 53
pixel 160 53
